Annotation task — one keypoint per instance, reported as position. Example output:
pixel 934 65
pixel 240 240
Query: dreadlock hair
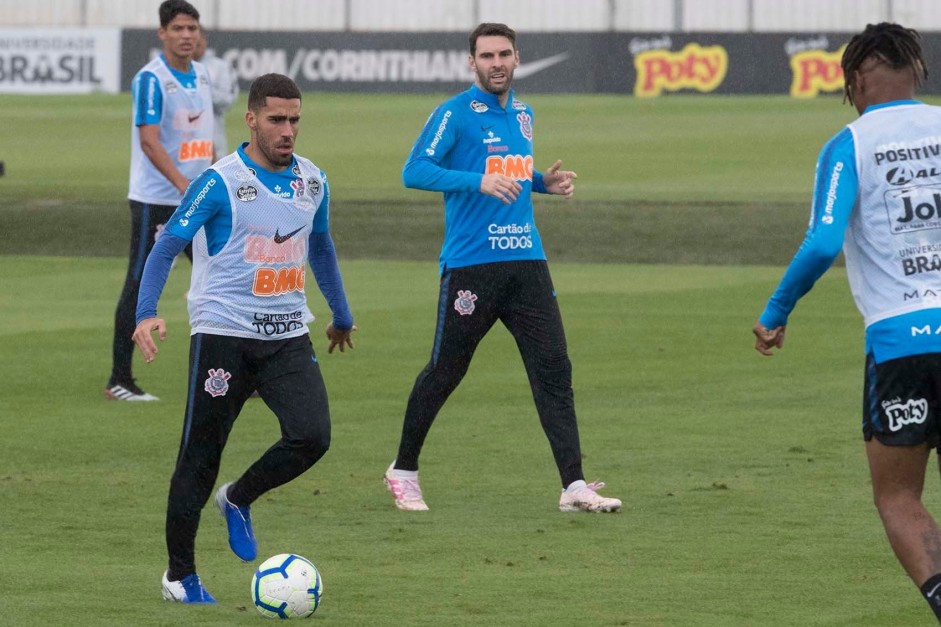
pixel 892 44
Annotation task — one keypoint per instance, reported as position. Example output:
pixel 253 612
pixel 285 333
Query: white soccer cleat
pixel 127 392
pixel 406 490
pixel 583 497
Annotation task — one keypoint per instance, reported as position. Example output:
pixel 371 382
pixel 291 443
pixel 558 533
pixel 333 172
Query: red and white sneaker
pixel 583 497
pixel 403 485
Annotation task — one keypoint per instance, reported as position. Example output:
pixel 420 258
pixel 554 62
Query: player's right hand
pixel 143 338
pixel 500 186
pixel 766 339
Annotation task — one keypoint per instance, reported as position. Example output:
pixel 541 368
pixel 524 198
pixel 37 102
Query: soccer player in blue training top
pixel 877 196
pixel 171 143
pixel 477 148
pixel 254 218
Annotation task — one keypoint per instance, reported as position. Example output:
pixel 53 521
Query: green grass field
pixel 747 499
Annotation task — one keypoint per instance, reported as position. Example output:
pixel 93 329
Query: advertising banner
pixel 60 60
pixel 646 65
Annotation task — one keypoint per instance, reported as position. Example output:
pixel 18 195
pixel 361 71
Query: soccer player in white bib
pixel 171 143
pixel 255 218
pixel 878 196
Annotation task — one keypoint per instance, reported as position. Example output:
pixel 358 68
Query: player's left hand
pixel 339 338
pixel 559 181
pixel 766 338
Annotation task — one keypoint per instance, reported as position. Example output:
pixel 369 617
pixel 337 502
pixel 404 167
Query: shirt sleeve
pixel 148 100
pixel 205 197
pixel 156 271
pixel 539 186
pixel 322 217
pixel 835 192
pixel 426 165
pixel 323 263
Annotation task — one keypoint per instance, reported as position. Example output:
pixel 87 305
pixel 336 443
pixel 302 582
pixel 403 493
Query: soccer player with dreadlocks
pixel 877 196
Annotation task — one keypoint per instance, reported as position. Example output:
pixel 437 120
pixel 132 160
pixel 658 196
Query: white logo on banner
pixel 59 60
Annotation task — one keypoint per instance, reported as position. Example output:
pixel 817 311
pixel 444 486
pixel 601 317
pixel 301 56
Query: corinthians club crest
pixel 218 382
pixel 464 304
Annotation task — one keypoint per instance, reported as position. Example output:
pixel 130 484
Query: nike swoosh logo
pixel 487 128
pixel 280 239
pixel 528 69
pixel 193 118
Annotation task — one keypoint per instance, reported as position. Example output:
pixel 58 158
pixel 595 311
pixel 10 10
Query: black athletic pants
pixel 224 371
pixel 144 222
pixel 519 294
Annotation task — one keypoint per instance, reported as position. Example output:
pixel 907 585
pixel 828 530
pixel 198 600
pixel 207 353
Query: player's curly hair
pixel 892 44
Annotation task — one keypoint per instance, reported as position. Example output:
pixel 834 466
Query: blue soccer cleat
pixel 188 590
pixel 239 521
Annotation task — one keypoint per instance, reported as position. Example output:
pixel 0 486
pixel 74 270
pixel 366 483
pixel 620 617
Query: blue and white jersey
pixel 181 104
pixel 466 137
pixel 250 230
pixel 878 195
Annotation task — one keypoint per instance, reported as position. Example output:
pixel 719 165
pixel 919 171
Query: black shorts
pixel 901 400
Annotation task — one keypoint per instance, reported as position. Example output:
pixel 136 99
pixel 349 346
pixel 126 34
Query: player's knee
pixel 314 445
pixel 898 502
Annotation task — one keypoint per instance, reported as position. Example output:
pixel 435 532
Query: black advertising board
pixel 802 65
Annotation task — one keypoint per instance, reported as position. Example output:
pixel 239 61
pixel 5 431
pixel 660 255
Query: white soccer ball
pixel 287 586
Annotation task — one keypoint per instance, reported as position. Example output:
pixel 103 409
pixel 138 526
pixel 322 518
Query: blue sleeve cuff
pixel 539 185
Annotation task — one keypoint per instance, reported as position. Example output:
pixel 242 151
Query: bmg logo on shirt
pixel 517 167
pixel 914 208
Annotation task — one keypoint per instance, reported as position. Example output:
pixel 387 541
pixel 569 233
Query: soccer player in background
pixel 876 196
pixel 225 91
pixel 477 148
pixel 171 143
pixel 254 218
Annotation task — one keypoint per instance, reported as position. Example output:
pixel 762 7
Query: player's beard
pixel 274 157
pixel 485 82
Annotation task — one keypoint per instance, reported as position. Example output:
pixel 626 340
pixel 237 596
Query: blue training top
pixel 466 137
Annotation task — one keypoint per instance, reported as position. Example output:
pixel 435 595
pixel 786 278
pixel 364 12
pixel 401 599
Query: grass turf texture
pixel 747 499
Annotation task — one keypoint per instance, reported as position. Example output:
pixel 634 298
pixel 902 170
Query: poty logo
pixel 913 411
pixel 694 67
pixel 517 167
pixel 438 134
pixel 218 382
pixel 814 71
